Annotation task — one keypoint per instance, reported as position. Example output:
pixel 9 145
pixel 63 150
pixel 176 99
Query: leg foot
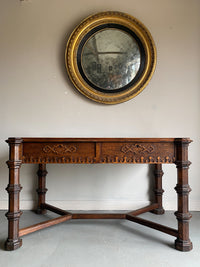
pixel 183 245
pixel 13 244
pixel 158 211
pixel 40 211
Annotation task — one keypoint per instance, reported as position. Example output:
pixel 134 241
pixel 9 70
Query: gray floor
pixel 95 243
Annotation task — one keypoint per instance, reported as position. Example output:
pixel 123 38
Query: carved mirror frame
pixel 94 25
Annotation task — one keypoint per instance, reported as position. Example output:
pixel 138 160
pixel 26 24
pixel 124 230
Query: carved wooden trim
pixel 42 173
pixel 182 164
pixel 183 189
pixel 133 160
pixel 15 188
pixel 106 159
pixel 158 192
pixel 136 148
pixel 39 160
pixel 41 191
pixel 13 216
pixel 14 164
pixel 183 216
pixel 59 149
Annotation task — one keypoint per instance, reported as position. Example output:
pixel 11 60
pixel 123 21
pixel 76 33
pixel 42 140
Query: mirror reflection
pixel 111 59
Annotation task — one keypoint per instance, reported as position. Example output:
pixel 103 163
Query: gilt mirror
pixel 110 57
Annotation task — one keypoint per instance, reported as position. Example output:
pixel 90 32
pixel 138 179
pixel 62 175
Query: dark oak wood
pixel 13 189
pixel 42 172
pixel 158 191
pixel 182 188
pixel 143 210
pixel 98 216
pixel 42 151
pixel 55 209
pixel 42 225
pixel 156 226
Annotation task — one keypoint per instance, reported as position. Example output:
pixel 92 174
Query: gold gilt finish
pixel 86 26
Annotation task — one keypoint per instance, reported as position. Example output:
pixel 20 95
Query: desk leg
pixel 182 188
pixel 42 172
pixel 13 215
pixel 158 191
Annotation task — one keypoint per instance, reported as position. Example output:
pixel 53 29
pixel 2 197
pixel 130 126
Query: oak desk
pixel 42 151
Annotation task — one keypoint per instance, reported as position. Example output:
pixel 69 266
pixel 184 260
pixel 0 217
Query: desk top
pixel 94 139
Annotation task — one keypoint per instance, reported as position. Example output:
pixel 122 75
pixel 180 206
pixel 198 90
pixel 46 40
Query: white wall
pixel 37 99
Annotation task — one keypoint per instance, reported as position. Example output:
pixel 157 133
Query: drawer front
pixel 137 153
pixel 58 152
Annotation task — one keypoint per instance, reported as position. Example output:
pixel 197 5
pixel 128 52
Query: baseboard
pixel 98 205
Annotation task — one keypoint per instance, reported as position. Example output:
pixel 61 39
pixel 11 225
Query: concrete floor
pixel 100 243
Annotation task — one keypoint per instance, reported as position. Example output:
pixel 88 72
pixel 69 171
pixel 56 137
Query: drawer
pixel 135 152
pixel 58 152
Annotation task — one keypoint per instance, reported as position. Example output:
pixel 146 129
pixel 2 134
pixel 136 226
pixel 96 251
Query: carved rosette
pixel 59 149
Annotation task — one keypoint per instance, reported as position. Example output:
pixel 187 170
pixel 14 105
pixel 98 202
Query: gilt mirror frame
pixel 95 79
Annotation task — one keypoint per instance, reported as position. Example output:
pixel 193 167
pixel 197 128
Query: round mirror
pixel 110 57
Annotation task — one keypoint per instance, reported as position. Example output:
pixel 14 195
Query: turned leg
pixel 42 172
pixel 158 191
pixel 13 215
pixel 182 188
